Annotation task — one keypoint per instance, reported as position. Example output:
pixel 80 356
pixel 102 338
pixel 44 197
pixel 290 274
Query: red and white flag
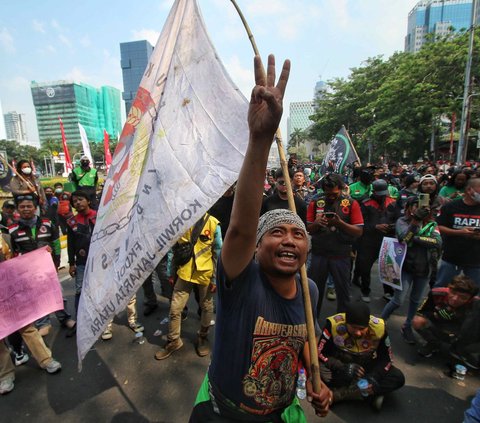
pixel 106 146
pixel 68 160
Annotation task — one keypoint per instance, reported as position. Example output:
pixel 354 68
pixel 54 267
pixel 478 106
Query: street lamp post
pixel 463 142
pixel 464 127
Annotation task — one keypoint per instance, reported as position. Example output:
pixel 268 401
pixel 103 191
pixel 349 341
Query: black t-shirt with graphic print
pixel 459 250
pixel 259 339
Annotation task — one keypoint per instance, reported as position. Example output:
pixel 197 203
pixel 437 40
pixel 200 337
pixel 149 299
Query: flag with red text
pixel 181 148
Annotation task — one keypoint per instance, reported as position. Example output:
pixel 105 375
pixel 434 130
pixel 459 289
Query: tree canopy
pixel 395 103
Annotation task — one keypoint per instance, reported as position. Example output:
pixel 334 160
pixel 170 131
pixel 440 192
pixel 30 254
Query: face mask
pixel 378 198
pixel 27 170
pixel 331 199
pixel 48 194
pixel 84 164
pixel 476 197
pixel 58 191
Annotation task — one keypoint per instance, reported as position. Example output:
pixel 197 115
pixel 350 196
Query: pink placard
pixel 29 289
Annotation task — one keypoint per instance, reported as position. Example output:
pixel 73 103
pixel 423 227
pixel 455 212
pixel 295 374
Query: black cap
pixel 9 203
pixel 380 187
pixel 410 179
pixel 358 314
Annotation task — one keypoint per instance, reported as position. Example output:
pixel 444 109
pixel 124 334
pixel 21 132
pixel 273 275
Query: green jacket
pixel 82 178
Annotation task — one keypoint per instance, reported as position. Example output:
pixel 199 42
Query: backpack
pixel 183 251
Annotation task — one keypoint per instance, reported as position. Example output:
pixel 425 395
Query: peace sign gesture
pixel 266 107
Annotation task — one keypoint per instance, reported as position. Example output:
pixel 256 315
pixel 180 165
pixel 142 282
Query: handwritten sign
pixel 29 289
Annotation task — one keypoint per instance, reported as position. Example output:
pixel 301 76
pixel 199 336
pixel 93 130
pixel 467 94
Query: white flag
pixel 180 149
pixel 85 144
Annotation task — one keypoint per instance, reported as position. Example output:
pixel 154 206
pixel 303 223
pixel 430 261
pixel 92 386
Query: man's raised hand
pixel 266 106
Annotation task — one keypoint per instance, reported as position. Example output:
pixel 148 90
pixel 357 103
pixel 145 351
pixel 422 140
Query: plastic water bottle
pixel 139 339
pixel 301 384
pixel 459 372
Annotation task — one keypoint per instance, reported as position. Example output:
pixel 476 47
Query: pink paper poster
pixel 29 289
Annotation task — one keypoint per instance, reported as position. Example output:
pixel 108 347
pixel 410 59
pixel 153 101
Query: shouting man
pixel 253 373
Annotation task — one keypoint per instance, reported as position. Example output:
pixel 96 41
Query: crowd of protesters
pixel 252 265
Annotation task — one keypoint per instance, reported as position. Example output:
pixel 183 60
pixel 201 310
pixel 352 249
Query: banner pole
pixel 312 342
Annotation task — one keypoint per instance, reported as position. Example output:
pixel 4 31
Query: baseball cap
pixel 9 203
pixel 380 187
pixel 428 177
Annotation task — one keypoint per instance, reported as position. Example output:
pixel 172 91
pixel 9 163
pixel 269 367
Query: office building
pixel 3 133
pixel 438 18
pixel 134 58
pixel 95 109
pixel 321 88
pixel 299 117
pixel 15 127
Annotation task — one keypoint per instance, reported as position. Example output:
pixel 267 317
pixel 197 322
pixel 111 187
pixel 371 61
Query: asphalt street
pixel 122 382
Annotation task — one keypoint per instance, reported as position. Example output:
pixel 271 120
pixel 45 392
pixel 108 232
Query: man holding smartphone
pixel 334 221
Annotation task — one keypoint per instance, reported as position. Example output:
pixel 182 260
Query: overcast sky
pixel 53 40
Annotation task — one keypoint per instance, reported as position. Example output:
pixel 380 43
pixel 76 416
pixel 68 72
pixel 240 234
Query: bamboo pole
pixel 312 342
pixel 14 171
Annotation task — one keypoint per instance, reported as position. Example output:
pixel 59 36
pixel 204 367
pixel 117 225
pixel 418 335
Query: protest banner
pixel 182 146
pixel 390 262
pixel 340 154
pixel 29 289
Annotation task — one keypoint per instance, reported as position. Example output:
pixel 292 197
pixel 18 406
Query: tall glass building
pixel 95 109
pixel 134 58
pixel 436 17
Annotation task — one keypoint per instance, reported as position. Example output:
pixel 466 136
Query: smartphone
pixel 423 200
pixel 329 215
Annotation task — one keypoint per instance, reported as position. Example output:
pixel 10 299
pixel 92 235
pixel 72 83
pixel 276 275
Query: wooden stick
pixel 312 342
pixel 14 171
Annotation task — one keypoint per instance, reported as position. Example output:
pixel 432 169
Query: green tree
pixel 297 143
pixel 394 103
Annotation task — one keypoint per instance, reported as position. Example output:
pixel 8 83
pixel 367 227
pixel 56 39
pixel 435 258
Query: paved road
pixel 122 382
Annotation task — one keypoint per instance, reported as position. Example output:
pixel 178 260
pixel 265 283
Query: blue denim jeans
pixel 330 283
pixel 447 271
pixel 417 284
pixel 80 273
pixel 62 315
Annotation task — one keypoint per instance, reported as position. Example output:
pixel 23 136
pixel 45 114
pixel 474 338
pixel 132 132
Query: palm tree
pixel 297 138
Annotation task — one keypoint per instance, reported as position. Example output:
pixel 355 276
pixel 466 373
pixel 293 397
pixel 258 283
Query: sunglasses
pixel 281 183
pixel 24 197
